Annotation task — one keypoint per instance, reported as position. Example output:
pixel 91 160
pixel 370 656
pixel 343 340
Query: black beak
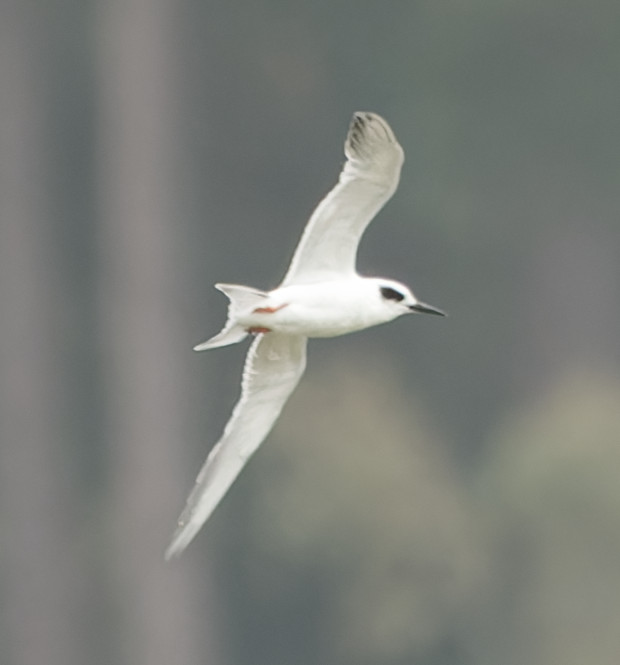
pixel 423 308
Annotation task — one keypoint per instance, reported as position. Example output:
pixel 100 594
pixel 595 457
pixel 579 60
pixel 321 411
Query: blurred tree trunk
pixel 161 617
pixel 43 576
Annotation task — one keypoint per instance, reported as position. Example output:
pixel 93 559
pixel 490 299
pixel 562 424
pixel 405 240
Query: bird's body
pixel 325 309
pixel 321 296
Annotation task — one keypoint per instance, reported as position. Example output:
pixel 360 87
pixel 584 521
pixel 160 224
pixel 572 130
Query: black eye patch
pixel 391 294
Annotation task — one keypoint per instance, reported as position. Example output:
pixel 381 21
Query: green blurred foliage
pixel 436 492
pixel 550 492
pixel 355 499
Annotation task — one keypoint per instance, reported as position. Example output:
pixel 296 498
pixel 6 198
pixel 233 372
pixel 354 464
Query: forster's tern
pixel 321 296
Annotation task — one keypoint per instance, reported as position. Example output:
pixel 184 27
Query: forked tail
pixel 242 299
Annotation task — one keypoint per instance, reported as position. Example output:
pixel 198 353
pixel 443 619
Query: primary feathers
pixel 321 296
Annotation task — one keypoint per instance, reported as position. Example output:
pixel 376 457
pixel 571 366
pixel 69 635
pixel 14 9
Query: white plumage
pixel 321 296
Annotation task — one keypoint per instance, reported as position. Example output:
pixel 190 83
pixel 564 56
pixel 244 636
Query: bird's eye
pixel 391 294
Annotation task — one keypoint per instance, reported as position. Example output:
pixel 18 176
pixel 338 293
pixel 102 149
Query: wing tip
pixel 172 553
pixel 370 134
pixel 363 121
pixel 182 537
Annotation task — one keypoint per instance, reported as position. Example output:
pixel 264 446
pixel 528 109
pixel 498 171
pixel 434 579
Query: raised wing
pixel 370 176
pixel 272 369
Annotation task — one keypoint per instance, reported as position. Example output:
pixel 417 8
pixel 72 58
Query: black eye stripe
pixel 391 294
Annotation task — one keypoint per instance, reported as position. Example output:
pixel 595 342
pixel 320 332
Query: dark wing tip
pixel 368 133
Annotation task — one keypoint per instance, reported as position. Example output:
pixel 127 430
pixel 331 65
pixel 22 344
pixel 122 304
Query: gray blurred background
pixel 437 491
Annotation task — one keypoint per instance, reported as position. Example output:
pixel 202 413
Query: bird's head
pixel 400 299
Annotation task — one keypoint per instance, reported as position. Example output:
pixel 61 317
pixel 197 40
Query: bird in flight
pixel 322 295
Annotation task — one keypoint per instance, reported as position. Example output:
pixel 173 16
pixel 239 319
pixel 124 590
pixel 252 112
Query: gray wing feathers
pixel 272 370
pixel 328 246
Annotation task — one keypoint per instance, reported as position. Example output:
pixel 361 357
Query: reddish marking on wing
pixel 268 310
pixel 255 330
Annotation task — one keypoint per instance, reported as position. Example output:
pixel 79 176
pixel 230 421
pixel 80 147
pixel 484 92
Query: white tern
pixel 321 295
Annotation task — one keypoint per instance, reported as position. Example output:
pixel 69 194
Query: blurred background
pixel 437 491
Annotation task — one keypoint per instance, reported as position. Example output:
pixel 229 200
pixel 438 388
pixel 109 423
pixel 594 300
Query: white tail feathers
pixel 242 299
pixel 229 335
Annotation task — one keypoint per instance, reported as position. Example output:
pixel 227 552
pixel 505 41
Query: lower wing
pixel 272 370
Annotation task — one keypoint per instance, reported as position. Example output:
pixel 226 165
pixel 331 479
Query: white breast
pixel 326 309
